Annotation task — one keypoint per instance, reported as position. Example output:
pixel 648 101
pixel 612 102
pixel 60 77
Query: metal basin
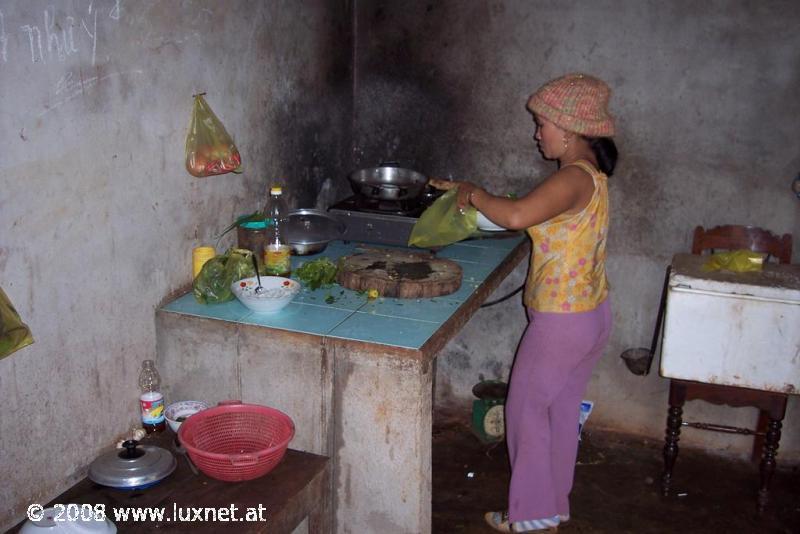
pixel 311 230
pixel 388 183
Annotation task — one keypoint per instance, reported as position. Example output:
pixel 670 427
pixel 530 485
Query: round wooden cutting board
pixel 396 273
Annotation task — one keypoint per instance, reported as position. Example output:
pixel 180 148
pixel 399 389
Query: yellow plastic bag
pixel 209 148
pixel 443 223
pixel 14 334
pixel 737 261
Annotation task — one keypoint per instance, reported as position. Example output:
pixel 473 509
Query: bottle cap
pixel 275 190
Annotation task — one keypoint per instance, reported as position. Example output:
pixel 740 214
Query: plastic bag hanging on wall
pixel 14 334
pixel 209 148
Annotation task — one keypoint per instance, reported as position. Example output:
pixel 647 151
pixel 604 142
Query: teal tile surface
pixel 343 313
pixel 468 287
pixel 233 310
pixel 436 310
pixel 298 317
pixel 334 296
pixel 394 331
pixel 505 243
pixel 476 272
pixel 475 254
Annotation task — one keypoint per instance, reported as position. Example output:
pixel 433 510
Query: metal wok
pixel 388 182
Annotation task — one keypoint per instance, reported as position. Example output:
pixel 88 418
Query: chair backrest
pixel 734 237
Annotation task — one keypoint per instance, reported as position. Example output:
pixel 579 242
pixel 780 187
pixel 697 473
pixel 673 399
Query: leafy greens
pixel 317 273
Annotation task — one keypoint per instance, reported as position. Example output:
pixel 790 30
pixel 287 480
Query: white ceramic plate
pixel 488 226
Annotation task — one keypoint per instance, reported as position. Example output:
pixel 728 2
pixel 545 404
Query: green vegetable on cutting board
pixel 317 273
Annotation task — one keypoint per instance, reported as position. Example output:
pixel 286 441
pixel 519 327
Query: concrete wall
pixel 706 99
pixel 97 214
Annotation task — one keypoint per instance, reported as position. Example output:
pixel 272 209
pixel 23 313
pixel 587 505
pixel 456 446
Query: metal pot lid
pixel 134 466
pixel 309 227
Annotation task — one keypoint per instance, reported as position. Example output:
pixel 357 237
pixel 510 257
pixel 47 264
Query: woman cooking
pixel 566 295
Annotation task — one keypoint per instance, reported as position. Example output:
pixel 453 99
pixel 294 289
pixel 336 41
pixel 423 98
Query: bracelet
pixel 470 195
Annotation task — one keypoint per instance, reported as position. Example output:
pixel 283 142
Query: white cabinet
pixel 734 329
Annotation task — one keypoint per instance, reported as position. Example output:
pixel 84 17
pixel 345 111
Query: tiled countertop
pixel 406 323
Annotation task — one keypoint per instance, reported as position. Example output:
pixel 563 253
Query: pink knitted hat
pixel 576 103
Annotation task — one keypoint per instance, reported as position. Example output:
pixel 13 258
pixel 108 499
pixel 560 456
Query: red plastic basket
pixel 236 441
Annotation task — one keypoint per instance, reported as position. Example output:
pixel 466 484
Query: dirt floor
pixel 617 487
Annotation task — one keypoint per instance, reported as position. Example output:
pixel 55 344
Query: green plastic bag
pixel 14 334
pixel 443 223
pixel 213 282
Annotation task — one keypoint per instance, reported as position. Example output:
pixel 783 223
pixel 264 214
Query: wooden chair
pixel 772 406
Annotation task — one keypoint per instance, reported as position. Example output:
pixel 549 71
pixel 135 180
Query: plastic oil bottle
pixel 151 401
pixel 277 253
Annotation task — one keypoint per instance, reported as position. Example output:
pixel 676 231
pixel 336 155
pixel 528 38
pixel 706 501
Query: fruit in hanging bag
pixel 209 148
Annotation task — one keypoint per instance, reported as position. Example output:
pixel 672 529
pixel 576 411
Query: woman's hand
pixel 465 189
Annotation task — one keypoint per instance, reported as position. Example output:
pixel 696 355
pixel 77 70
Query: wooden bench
pixel 298 488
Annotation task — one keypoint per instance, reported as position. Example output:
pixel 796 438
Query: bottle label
pixel 277 260
pixel 152 405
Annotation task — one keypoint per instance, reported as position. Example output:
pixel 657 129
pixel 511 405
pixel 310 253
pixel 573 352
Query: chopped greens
pixel 317 273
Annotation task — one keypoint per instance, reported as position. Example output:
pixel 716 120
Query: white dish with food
pixel 486 225
pixel 276 293
pixel 177 412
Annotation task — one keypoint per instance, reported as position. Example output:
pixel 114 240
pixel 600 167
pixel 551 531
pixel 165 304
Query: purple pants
pixel 552 368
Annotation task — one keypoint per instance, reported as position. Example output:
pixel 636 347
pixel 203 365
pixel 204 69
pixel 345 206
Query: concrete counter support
pixel 368 408
pixel 210 360
pixel 383 422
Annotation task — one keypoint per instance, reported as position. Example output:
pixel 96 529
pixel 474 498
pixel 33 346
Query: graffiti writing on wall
pixel 53 37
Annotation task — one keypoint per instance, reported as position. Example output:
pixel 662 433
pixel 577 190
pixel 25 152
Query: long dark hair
pixel 606 153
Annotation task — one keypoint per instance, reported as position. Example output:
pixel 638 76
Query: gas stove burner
pixel 380 221
pixel 404 208
pixel 397 207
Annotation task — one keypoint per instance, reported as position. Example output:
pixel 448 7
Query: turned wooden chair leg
pixel 758 442
pixel 771 441
pixel 672 436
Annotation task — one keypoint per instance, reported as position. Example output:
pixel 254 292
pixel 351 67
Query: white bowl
pixel 278 292
pixel 177 412
pixel 488 226
pixel 67 521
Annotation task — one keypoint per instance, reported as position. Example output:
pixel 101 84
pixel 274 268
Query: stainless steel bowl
pixel 311 230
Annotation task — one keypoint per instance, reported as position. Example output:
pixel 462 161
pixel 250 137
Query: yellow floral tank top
pixel 568 255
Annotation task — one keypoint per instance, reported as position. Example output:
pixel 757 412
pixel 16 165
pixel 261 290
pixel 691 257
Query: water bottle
pixel 277 261
pixel 151 401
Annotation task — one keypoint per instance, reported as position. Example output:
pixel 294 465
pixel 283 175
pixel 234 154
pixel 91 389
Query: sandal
pixel 499 521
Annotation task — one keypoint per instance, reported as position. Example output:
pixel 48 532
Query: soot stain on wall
pixel 319 113
pixel 406 108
